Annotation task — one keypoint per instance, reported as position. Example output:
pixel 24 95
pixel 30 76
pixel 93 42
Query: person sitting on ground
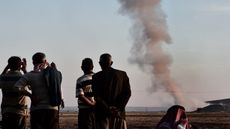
pixel 175 118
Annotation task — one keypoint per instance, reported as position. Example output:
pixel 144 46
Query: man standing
pixel 86 103
pixel 43 115
pixel 14 105
pixel 112 91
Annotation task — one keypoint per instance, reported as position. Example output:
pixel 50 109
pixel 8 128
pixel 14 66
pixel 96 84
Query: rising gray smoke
pixel 149 32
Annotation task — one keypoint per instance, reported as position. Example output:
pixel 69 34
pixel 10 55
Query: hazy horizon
pixel 68 31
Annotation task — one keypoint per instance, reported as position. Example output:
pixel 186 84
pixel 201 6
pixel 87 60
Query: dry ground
pixel 148 120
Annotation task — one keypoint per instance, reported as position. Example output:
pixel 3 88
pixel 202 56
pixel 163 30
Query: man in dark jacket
pixel 112 92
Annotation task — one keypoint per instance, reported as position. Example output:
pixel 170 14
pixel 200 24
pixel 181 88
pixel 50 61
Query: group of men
pixel 102 96
pixel 16 87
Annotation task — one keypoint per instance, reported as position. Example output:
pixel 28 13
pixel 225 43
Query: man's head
pixel 105 61
pixel 39 58
pixel 87 65
pixel 14 63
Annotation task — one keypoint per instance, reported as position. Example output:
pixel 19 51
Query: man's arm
pixel 125 93
pixel 5 70
pixel 87 101
pixel 20 86
pixel 62 98
pixel 80 95
pixel 26 93
pixel 24 65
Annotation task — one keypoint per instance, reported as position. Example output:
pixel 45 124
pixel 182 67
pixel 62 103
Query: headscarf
pixel 175 118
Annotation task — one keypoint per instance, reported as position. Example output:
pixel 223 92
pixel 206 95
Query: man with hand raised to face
pixel 43 115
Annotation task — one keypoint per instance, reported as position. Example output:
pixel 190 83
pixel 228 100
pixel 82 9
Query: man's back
pixel 84 85
pixel 39 89
pixel 112 91
pixel 12 101
pixel 112 88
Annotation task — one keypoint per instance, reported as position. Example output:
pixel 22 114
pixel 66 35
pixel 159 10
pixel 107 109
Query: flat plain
pixel 148 120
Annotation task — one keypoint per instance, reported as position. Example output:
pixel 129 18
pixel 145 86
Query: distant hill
pixel 146 109
pixel 221 105
pixel 219 102
pixel 212 108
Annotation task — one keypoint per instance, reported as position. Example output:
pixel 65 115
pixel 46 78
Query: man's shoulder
pixel 32 75
pixel 121 71
pixel 118 71
pixel 11 73
pixel 10 77
pixel 111 71
pixel 80 78
pixel 98 74
pixel 84 77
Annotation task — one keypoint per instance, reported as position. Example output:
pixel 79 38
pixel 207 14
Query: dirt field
pixel 148 120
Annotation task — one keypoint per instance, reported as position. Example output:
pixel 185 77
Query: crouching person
pixel 175 118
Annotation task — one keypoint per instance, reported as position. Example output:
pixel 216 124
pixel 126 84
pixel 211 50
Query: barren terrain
pixel 148 120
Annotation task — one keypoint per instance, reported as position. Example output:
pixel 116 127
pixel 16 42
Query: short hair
pixel 14 62
pixel 87 64
pixel 38 58
pixel 105 60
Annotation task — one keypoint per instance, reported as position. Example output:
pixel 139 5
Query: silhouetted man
pixel 112 91
pixel 14 105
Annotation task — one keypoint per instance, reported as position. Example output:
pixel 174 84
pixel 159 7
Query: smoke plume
pixel 150 33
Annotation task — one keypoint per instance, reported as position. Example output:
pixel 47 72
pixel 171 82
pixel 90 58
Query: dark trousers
pixel 13 121
pixel 102 123
pixel 86 119
pixel 44 119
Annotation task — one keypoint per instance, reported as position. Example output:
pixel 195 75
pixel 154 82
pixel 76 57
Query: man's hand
pixel 87 101
pixel 114 111
pixel 24 65
pixel 53 65
pixel 5 69
pixel 93 102
pixel 62 104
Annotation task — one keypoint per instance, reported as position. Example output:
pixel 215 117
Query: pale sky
pixel 68 31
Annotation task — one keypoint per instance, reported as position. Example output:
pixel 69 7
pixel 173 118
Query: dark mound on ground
pixel 213 108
